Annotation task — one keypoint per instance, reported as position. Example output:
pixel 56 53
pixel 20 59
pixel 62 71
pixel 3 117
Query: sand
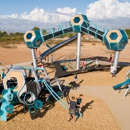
pixel 96 115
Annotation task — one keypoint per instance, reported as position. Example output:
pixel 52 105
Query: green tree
pixel 4 34
pixel 36 28
pixel 128 32
pixel 17 34
pixel 44 32
pixel 11 34
pixel 70 34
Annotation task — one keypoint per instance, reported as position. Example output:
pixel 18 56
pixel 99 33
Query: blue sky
pixel 23 15
pixel 20 6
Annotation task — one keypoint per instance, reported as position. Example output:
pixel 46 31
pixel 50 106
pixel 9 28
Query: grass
pixel 10 44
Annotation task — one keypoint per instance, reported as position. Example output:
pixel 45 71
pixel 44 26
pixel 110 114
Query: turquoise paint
pixel 113 36
pixel 6 107
pixel 29 36
pixel 76 19
pixel 86 27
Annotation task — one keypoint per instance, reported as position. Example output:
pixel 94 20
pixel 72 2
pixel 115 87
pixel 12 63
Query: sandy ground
pixel 96 115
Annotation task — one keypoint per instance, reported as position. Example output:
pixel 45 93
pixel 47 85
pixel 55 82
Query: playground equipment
pixel 125 84
pixel 25 88
pixel 58 46
pixel 67 66
pixel 62 72
pixel 115 39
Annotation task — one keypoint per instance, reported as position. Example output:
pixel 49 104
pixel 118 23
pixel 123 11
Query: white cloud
pixel 113 23
pixel 37 17
pixel 40 15
pixel 9 16
pixel 106 13
pixel 102 9
pixel 66 10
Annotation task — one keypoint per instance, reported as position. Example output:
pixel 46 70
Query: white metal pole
pixel 115 64
pixel 78 51
pixel 34 57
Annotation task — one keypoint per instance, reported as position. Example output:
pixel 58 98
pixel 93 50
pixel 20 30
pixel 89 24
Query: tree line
pixel 128 32
pixel 17 36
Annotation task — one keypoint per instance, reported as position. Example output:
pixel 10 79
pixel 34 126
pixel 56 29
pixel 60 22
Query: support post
pixel 58 84
pixel 78 51
pixel 34 58
pixel 115 64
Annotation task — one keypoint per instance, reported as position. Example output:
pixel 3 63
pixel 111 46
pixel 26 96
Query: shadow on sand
pixel 86 106
pixel 38 114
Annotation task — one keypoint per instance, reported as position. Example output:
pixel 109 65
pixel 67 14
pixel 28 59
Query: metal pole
pixel 128 75
pixel 58 84
pixel 115 64
pixel 34 58
pixel 78 51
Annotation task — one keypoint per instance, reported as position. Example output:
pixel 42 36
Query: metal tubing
pixel 78 51
pixel 115 64
pixel 34 57
pixel 58 84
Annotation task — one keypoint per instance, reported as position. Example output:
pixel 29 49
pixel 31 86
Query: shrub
pixel 8 45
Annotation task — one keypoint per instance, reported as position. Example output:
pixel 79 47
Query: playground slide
pixel 121 84
pixel 58 46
